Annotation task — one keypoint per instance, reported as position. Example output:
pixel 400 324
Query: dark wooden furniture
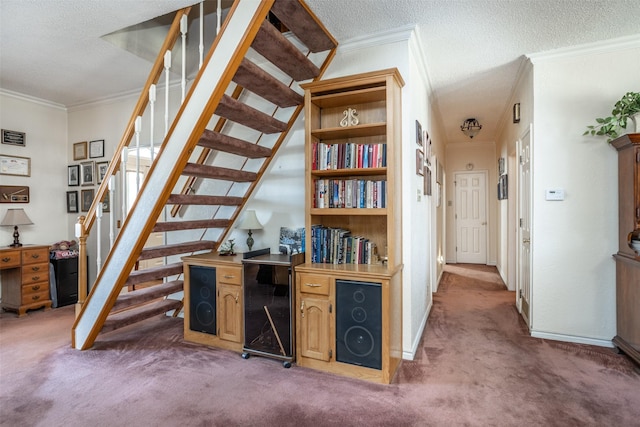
pixel 627 338
pixel 25 278
pixel 66 281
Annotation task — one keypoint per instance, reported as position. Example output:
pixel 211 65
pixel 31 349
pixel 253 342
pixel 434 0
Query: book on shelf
pixel 348 156
pixel 350 193
pixel 337 246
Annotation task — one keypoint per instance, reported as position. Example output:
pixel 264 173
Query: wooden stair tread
pixel 139 313
pixel 296 17
pixel 175 248
pixel 190 225
pixel 243 114
pixel 147 294
pixel 271 44
pixel 258 81
pixel 154 273
pixel 228 144
pixel 216 172
pixel 195 199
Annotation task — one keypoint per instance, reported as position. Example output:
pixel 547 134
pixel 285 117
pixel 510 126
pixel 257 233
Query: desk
pixel 25 278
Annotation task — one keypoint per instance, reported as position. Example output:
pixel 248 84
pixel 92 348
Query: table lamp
pixel 250 222
pixel 16 217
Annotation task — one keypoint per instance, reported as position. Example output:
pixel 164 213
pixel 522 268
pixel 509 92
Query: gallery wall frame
pixel 101 170
pixel 73 175
pixel 72 202
pixel 14 194
pixel 80 150
pixel 86 199
pixel 96 148
pixel 15 165
pixel 12 137
pixel 87 173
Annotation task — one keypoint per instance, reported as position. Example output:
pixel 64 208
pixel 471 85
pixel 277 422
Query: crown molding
pixel 378 39
pixel 32 99
pixel 602 46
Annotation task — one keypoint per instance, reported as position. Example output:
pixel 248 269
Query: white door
pixel 523 293
pixel 471 217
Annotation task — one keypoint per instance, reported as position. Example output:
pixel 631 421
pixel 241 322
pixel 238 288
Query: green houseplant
pixel 624 109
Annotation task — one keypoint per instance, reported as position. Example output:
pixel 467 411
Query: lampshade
pixel 250 221
pixel 16 217
pixel 471 127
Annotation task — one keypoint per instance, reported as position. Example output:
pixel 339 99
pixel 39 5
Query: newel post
pixel 82 264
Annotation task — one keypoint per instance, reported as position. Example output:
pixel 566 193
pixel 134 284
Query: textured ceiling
pixel 52 49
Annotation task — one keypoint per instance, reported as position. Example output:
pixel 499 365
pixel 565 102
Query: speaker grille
pixel 202 295
pixel 359 323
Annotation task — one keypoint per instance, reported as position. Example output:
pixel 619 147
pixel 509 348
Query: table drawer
pixel 35 273
pixel 229 275
pixel 314 284
pixel 34 256
pixel 9 259
pixel 35 296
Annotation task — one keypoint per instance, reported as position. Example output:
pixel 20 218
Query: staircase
pixel 231 78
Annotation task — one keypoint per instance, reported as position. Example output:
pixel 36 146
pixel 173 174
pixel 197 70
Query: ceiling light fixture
pixel 471 127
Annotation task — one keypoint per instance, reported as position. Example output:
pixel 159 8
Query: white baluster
pixel 99 237
pixel 152 106
pixel 123 170
pixel 112 218
pixel 183 30
pixel 167 67
pixel 201 46
pixel 219 13
pixel 138 125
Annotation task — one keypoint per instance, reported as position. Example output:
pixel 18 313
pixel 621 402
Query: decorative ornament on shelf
pixel 350 117
pixel 227 248
pixel 625 109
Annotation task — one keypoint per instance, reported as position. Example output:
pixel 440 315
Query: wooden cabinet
pixel 627 337
pixel 353 216
pixel 219 306
pixel 25 278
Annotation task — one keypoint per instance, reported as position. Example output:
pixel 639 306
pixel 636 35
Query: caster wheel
pixel 246 355
pixel 286 364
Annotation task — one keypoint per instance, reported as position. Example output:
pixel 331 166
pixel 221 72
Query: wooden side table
pixel 25 278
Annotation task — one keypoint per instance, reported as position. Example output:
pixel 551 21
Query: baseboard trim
pixel 572 338
pixel 410 355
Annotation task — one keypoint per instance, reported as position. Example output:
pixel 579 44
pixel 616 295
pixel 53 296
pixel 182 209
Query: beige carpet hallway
pixel 475 366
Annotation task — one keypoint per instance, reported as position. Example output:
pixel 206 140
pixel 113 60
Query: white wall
pixel 573 240
pixel 45 125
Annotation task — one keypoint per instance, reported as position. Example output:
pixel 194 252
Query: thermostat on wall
pixel 555 194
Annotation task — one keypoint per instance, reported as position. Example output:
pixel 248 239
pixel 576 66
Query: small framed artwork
pixel 418 134
pixel 86 199
pixel 419 162
pixel 96 148
pixel 12 137
pixel 427 181
pixel 80 150
pixel 516 112
pixel 73 175
pixel 14 194
pixel 101 170
pixel 15 165
pixel 72 202
pixel 501 166
pixel 87 173
pixel 106 206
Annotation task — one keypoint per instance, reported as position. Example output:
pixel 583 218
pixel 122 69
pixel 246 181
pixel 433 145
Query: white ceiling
pixel 52 49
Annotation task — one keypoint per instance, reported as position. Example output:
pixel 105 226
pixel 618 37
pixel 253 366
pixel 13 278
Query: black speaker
pixel 202 299
pixel 359 323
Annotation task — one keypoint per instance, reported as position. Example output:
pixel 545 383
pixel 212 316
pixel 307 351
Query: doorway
pixel 471 217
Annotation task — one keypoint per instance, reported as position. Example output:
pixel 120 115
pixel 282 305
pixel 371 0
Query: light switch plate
pixel 555 194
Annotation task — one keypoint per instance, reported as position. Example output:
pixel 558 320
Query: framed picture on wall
pixel 96 148
pixel 419 141
pixel 87 173
pixel 80 150
pixel 73 175
pixel 106 205
pixel 419 162
pixel 101 170
pixel 72 201
pixel 86 199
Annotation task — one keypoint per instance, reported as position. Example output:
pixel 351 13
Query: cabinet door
pixel 314 320
pixel 230 312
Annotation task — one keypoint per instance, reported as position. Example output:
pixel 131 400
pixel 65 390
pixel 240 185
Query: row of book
pixel 348 156
pixel 337 246
pixel 350 193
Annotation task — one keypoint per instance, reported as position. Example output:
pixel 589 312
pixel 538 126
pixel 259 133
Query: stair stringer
pixel 204 96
